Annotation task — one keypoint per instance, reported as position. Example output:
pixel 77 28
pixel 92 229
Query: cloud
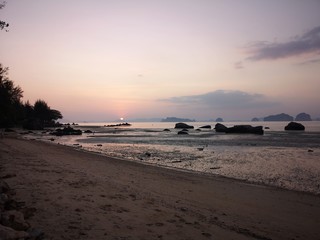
pixel 308 43
pixel 223 99
pixel 312 61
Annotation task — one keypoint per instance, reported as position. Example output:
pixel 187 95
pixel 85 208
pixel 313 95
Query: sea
pixel 284 159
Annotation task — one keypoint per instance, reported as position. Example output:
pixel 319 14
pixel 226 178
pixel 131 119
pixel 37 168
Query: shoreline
pixel 91 196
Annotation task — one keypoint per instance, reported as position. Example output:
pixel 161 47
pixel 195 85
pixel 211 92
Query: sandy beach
pixel 81 195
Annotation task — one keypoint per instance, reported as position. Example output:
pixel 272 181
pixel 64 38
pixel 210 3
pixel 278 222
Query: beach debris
pixel 215 168
pixel 294 126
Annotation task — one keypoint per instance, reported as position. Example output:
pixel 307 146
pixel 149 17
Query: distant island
pixel 175 119
pixel 286 117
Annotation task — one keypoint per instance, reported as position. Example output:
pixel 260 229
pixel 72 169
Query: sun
pixel 121 119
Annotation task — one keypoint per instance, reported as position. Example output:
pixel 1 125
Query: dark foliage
pixel 13 112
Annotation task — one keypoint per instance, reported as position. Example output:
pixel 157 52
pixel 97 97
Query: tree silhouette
pixel 10 99
pixel 3 24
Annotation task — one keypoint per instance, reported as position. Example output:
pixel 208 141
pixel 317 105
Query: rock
pixel 239 129
pixel 183 132
pixel 303 117
pixel 8 233
pixel 219 120
pixel 66 131
pixel 166 130
pixel 294 126
pixel 206 126
pixel 220 127
pixel 245 129
pixel 4 187
pixel 14 219
pixel 88 131
pixel 35 233
pixel 279 117
pixel 255 119
pixel 183 125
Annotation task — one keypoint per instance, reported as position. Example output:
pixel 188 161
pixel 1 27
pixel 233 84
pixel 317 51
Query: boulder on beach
pixel 245 129
pixel 239 129
pixel 183 132
pixel 183 126
pixel 206 126
pixel 220 127
pixel 294 126
pixel 66 131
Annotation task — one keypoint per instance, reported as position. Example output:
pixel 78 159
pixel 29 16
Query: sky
pixel 102 60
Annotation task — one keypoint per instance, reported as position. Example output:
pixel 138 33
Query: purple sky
pixel 203 59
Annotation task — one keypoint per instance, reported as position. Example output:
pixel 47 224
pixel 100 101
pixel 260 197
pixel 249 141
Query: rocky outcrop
pixel 243 129
pixel 66 131
pixel 206 126
pixel 220 127
pixel 13 215
pixel 183 126
pixel 279 117
pixel 303 117
pixel 294 126
pixel 183 132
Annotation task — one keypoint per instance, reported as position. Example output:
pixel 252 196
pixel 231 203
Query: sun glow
pixel 121 119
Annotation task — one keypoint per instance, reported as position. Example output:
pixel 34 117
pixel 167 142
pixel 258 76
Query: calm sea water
pixel 280 158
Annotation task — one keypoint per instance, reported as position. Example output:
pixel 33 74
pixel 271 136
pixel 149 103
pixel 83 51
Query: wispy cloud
pixel 223 99
pixel 308 43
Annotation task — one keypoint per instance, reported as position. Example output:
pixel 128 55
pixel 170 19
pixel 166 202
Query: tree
pixel 3 24
pixel 10 99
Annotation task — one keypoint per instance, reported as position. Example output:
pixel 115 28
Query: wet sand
pixel 81 195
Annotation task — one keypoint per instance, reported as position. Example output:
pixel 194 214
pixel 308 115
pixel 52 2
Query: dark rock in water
pixel 88 131
pixel 266 128
pixel 99 145
pixel 294 126
pixel 183 132
pixel 66 131
pixel 220 127
pixel 166 130
pixel 279 117
pixel 303 117
pixel 239 129
pixel 206 126
pixel 183 126
pixel 245 129
pixel 198 130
